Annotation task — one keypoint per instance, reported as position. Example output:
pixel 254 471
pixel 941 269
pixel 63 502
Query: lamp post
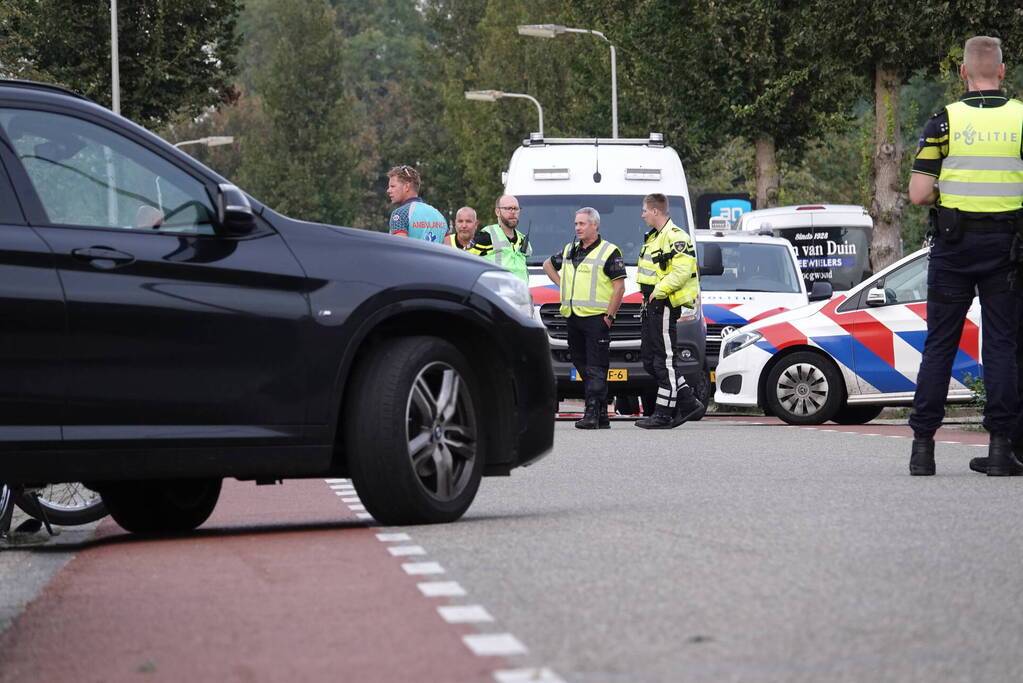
pixel 495 95
pixel 115 72
pixel 211 141
pixel 554 30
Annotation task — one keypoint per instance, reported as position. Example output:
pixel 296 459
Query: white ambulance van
pixel 552 179
pixel 832 241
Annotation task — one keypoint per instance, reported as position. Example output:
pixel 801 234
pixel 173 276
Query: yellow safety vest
pixel 677 276
pixel 646 269
pixel 452 241
pixel 586 288
pixel 506 254
pixel 983 172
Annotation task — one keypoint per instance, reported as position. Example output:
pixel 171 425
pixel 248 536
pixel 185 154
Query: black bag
pixel 948 225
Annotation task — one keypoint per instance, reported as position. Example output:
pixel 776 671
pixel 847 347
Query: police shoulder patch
pixel 681 246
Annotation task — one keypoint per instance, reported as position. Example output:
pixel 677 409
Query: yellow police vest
pixel 506 254
pixel 674 257
pixel 983 172
pixel 452 241
pixel 646 269
pixel 586 288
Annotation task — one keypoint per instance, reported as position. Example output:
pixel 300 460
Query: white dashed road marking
pixel 494 644
pixel 363 515
pixel 422 568
pixel 405 550
pixel 464 614
pixel 441 589
pixel 527 676
pixel 357 506
pixel 393 538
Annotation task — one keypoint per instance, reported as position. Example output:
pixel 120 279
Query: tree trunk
pixel 767 173
pixel 888 196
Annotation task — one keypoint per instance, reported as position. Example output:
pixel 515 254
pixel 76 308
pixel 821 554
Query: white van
pixel 552 179
pixel 832 241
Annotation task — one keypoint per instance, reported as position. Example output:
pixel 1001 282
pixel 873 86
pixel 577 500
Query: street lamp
pixel 211 141
pixel 554 30
pixel 495 95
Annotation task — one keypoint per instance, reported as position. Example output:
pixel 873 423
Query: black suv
pixel 162 330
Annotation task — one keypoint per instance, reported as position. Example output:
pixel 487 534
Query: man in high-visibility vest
pixel 501 242
pixel 466 225
pixel 591 275
pixel 667 276
pixel 970 163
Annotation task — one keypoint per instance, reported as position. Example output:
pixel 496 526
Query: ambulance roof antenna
pixel 596 160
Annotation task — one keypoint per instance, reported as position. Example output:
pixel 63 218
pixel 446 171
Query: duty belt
pixel 990 225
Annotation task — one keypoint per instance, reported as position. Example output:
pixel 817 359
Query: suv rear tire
pixel 412 435
pixel 161 506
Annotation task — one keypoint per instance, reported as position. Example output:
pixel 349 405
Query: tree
pixel 302 162
pixel 176 56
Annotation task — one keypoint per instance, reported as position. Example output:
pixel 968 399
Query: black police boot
pixel 662 418
pixel 921 459
pixel 603 421
pixel 979 465
pixel 589 420
pixel 1000 459
pixel 687 406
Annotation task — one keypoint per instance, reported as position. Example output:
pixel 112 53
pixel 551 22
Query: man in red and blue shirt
pixel 413 217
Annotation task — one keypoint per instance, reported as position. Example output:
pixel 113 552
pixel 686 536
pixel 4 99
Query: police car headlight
pixel 508 288
pixel 739 341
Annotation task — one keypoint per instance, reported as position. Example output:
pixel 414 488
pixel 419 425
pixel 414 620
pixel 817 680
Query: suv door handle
pixel 98 255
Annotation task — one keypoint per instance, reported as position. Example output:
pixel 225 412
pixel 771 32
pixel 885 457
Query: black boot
pixel 687 406
pixel 661 419
pixel 589 420
pixel 921 459
pixel 980 464
pixel 1001 462
pixel 603 421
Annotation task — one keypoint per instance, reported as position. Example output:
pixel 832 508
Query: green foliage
pixel 176 56
pixel 301 161
pixel 976 385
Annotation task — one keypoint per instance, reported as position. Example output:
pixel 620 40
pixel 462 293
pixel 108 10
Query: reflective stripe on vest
pixel 590 294
pixel 505 254
pixel 983 172
pixel 646 269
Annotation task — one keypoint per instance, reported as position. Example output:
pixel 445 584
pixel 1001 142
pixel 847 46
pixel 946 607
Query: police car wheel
pixel 415 453
pixel 804 388
pixel 856 414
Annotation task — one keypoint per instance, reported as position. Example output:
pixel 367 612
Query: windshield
pixel 752 268
pixel 549 221
pixel 838 255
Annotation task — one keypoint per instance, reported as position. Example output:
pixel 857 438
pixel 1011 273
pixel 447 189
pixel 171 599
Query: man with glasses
pixel 501 242
pixel 413 217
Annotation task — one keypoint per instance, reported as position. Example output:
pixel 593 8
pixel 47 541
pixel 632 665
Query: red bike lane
pixel 282 583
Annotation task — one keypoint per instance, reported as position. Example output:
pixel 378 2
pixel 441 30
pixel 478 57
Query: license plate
pixel 613 375
pixel 713 377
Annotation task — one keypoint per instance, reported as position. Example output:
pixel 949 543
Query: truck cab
pixel 552 179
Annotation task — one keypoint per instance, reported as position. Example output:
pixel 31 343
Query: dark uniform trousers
pixel 981 261
pixel 589 340
pixel 659 337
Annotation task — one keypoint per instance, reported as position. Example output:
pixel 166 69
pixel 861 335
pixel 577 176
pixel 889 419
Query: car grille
pixel 714 339
pixel 627 324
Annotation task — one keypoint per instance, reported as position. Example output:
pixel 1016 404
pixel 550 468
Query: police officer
pixel 466 225
pixel 973 150
pixel 591 275
pixel 501 242
pixel 668 279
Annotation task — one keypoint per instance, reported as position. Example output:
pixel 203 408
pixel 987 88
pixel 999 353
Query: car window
pixel 88 175
pixel 907 284
pixel 752 268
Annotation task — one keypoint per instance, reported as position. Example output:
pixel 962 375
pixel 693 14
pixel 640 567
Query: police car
pixel 846 358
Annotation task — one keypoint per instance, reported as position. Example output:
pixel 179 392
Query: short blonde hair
pixel 982 55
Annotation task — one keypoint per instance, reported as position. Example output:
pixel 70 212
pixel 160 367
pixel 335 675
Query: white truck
pixel 552 179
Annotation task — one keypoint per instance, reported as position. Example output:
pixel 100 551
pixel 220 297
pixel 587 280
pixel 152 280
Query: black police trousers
pixel 981 261
pixel 589 340
pixel 657 350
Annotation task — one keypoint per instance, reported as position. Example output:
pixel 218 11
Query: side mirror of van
pixel 821 291
pixel 234 213
pixel 712 263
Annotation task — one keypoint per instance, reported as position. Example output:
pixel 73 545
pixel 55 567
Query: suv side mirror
pixel 821 291
pixel 234 213
pixel 712 264
pixel 877 297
